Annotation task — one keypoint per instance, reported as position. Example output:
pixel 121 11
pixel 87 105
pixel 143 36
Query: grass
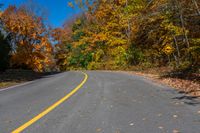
pixel 7 84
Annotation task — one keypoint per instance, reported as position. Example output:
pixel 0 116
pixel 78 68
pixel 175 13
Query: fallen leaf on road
pixel 144 119
pixel 176 103
pixel 175 116
pixel 159 114
pixel 117 131
pixel 176 131
pixel 98 129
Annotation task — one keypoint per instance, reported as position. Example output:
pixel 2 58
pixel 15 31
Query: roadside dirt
pixel 188 83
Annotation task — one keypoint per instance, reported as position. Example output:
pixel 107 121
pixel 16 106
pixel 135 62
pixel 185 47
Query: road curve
pixel 109 102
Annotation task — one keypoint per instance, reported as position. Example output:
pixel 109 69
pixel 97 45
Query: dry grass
pixel 7 84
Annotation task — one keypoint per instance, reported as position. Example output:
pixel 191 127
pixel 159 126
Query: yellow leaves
pixel 195 41
pixel 81 41
pixel 122 2
pixel 119 50
pixel 107 29
pixel 111 25
pixel 117 42
pixel 77 31
pixel 139 7
pixel 99 37
pixel 120 56
pixel 61 56
pixel 170 27
pixel 103 11
pixel 78 22
pixel 37 64
pixel 98 55
pixel 100 14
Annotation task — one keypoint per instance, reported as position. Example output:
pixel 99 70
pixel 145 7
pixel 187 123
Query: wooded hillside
pixel 116 34
pixel 109 34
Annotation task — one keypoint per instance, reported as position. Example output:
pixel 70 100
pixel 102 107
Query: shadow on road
pixel 189 100
pixel 189 81
pixel 11 77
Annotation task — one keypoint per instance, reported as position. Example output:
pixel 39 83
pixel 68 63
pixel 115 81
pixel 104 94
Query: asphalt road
pixel 109 102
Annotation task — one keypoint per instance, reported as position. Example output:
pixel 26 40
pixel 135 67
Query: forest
pixel 107 35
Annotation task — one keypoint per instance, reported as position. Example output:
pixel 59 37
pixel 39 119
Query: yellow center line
pixel 49 109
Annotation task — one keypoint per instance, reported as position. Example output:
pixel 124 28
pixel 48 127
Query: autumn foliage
pixel 109 34
pixel 117 34
pixel 29 38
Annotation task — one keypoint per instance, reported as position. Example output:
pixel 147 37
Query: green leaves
pixel 113 34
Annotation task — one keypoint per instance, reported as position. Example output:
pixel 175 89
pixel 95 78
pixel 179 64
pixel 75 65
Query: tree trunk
pixel 128 31
pixel 177 58
pixel 197 7
pixel 180 11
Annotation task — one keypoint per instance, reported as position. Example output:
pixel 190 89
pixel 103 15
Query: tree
pixel 114 34
pixel 29 38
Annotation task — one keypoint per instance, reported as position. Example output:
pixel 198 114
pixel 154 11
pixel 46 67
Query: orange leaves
pixel 103 10
pixel 1 13
pixel 99 37
pixel 21 42
pixel 61 35
pixel 21 22
pixel 32 43
pixel 16 21
pixel 34 35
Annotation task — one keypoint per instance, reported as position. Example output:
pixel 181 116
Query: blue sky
pixel 58 10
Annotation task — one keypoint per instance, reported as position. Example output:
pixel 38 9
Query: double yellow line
pixel 49 109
